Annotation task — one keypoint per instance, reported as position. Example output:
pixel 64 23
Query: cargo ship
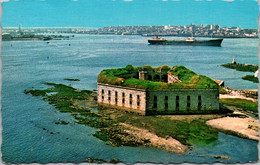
pixel 191 41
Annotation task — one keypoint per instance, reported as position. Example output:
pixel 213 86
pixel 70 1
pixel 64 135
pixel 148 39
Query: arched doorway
pixel 164 78
pixel 156 78
pixel 149 77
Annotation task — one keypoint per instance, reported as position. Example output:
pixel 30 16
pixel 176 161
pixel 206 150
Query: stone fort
pixel 158 90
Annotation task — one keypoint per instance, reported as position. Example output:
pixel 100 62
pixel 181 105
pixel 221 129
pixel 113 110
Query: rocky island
pixel 174 133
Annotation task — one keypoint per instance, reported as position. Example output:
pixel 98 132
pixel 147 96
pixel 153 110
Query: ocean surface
pixel 27 121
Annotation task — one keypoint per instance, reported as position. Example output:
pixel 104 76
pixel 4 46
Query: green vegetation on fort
pixel 250 78
pixel 245 105
pixel 129 75
pixel 183 73
pixel 242 67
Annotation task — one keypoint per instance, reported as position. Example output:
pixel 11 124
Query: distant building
pixel 20 29
pixel 167 27
pixel 161 90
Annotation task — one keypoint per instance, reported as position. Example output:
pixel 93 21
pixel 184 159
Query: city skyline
pixel 86 13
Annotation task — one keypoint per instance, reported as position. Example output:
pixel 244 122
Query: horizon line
pixel 123 25
pixel 46 27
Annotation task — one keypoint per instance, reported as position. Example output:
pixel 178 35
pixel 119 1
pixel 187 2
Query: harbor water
pixel 29 130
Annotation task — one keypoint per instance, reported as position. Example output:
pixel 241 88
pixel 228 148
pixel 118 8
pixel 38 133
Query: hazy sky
pixel 100 13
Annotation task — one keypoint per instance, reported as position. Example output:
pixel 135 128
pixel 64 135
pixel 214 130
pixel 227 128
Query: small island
pixel 242 67
pixel 120 127
pixel 251 78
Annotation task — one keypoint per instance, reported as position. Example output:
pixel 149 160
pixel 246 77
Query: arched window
pixel 123 98
pixel 199 103
pixel 188 103
pixel 177 103
pixel 156 78
pixel 109 96
pixel 166 105
pixel 155 102
pixel 116 97
pixel 130 99
pixel 102 94
pixel 164 78
pixel 149 77
pixel 138 101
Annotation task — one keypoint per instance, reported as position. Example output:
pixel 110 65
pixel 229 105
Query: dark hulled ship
pixel 191 41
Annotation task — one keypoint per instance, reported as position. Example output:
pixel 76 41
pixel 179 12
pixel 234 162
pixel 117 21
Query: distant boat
pixel 46 38
pixel 191 41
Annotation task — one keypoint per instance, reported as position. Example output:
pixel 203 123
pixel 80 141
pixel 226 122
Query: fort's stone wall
pixel 182 101
pixel 165 101
pixel 124 97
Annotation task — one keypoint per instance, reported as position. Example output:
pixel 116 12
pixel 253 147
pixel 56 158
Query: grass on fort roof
pixel 183 73
pixel 128 77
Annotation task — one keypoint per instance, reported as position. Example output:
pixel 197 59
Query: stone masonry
pixel 148 102
pixel 159 101
pixel 127 98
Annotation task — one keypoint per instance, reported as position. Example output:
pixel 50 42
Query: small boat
pixel 191 41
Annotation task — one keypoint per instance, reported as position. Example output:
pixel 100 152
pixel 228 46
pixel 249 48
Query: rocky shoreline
pixel 243 127
pixel 244 94
pixel 244 123
pixel 169 144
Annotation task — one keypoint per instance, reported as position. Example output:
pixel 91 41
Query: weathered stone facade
pixel 148 102
pixel 128 98
pixel 182 101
